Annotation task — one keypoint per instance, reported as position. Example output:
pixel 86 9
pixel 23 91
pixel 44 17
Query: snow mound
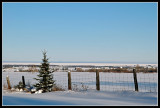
pixel 89 98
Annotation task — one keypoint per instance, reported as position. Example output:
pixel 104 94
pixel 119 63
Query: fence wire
pixel 109 81
pixel 61 79
pixel 147 82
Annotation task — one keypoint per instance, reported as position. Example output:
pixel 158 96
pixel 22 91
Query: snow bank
pixel 91 98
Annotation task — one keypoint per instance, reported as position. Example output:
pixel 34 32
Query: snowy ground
pixel 112 92
pixel 90 98
pixel 147 82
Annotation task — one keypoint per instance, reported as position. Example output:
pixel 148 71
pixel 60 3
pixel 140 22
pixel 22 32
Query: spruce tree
pixel 45 80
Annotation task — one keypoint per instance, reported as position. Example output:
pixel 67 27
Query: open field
pixel 147 82
pixel 113 88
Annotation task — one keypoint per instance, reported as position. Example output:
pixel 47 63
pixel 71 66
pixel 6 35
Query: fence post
pixel 135 80
pixel 8 82
pixel 23 81
pixel 147 69
pixel 97 80
pixel 69 81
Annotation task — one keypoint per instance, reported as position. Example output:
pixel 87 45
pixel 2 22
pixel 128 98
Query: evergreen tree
pixel 45 80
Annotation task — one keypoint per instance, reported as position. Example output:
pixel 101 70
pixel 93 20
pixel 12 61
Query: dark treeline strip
pixel 118 70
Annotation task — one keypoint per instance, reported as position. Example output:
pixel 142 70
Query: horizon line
pixel 82 62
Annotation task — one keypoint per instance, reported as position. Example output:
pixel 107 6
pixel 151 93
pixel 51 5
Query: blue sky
pixel 94 32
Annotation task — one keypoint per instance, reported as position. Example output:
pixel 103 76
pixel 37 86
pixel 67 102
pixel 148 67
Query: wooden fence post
pixel 69 81
pixel 8 82
pixel 147 69
pixel 135 80
pixel 97 80
pixel 23 81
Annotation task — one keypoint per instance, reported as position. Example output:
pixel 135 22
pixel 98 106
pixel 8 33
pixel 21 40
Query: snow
pixel 91 98
pixel 108 81
pixel 112 92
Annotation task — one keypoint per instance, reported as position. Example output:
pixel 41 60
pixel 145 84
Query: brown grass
pixel 57 88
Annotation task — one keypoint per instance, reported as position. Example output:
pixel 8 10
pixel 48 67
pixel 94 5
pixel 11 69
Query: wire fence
pixel 108 81
pixel 61 79
pixel 147 82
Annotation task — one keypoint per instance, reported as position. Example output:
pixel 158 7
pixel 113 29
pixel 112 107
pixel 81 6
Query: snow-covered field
pixel 147 82
pixel 115 89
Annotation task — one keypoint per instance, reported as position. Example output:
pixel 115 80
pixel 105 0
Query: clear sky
pixel 95 32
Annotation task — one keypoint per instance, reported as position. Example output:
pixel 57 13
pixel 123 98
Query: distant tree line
pixel 146 70
pixel 30 69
